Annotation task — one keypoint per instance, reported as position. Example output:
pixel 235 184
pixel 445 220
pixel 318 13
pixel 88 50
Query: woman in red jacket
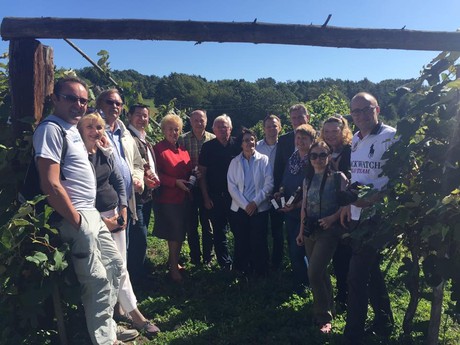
pixel 172 205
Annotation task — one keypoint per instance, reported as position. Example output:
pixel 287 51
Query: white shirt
pixel 366 159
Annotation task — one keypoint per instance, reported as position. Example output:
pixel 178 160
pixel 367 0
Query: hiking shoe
pixel 148 329
pixel 124 334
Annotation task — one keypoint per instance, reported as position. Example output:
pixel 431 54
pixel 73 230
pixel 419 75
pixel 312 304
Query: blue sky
pixel 215 61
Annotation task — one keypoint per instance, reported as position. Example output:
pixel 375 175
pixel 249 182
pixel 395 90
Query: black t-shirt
pixel 216 158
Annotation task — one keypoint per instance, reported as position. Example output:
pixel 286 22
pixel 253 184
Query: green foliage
pixel 422 207
pixel 328 103
pixel 33 258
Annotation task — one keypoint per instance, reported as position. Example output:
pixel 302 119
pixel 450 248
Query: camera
pixel 348 196
pixel 310 226
pixel 120 221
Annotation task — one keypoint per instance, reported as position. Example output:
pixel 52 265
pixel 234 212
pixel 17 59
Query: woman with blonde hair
pixel 294 173
pixel 336 133
pixel 111 202
pixel 172 207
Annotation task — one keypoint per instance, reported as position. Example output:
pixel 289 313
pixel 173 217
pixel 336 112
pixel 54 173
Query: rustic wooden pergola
pixel 31 63
pixel 31 67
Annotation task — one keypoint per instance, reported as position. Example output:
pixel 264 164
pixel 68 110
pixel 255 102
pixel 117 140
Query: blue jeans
pixel 296 253
pixel 137 244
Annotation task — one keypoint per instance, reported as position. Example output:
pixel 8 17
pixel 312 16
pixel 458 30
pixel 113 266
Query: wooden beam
pixel 253 32
pixel 31 71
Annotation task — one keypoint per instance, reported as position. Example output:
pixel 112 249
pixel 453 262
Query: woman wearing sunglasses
pixel 320 230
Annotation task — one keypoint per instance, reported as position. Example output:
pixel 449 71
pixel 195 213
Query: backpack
pixel 31 185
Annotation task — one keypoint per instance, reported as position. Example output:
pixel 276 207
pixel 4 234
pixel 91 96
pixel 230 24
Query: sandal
pixel 326 328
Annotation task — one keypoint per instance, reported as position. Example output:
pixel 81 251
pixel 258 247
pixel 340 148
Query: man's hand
pixel 251 208
pixel 208 204
pixel 345 216
pixel 137 186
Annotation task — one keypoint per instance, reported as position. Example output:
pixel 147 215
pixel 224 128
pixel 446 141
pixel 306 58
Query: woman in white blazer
pixel 250 183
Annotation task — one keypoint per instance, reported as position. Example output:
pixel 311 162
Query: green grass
pixel 217 307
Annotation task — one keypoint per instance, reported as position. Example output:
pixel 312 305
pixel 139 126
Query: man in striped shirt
pixel 192 142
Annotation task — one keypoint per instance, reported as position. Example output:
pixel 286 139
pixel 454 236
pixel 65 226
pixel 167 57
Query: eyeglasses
pixel 110 102
pixel 314 155
pixel 74 99
pixel 364 111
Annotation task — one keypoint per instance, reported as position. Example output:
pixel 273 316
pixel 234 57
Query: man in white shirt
pixel 267 146
pixel 365 279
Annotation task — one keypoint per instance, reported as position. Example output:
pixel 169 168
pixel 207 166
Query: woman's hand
pixel 181 184
pixel 287 208
pixel 327 222
pixel 299 239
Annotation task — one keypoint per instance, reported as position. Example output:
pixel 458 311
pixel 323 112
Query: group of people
pixel 113 177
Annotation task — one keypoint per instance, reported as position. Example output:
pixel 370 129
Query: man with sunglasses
pixel 126 153
pixel 71 190
pixel 365 279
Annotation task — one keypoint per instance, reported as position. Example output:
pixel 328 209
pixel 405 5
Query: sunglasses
pixel 110 102
pixel 74 99
pixel 322 155
pixel 364 111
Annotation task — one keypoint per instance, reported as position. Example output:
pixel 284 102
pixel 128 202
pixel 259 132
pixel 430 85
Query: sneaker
pixel 124 334
pixel 148 329
pixel 126 319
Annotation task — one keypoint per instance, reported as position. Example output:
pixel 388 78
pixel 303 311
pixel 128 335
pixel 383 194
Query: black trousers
pixel 365 283
pixel 220 218
pixel 276 227
pixel 251 247
pixel 199 212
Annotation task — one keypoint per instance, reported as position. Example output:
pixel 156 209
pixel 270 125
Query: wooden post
pixel 31 72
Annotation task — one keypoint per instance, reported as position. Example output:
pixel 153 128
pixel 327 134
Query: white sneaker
pixel 124 334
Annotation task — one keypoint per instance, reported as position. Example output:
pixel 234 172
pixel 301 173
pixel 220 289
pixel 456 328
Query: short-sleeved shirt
pixel 216 158
pixel 366 159
pixel 193 145
pixel 80 182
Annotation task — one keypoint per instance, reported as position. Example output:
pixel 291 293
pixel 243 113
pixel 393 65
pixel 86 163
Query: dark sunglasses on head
pixel 314 155
pixel 110 102
pixel 74 99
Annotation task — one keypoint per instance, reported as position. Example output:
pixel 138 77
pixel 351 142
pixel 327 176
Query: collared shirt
pixel 366 159
pixel 143 138
pixel 193 144
pixel 268 150
pixel 249 191
pixel 115 140
pixel 216 158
